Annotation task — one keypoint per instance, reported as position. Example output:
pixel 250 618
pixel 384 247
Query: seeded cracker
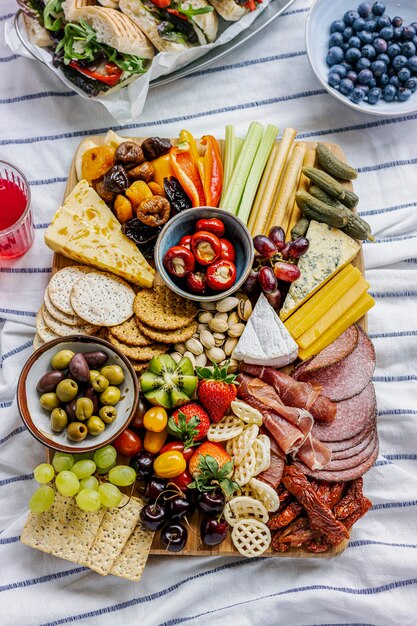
pixel 70 320
pixel 37 342
pixel 44 332
pixel 129 333
pixel 60 286
pixel 102 299
pixel 163 309
pixel 136 353
pixel 63 330
pixel 168 336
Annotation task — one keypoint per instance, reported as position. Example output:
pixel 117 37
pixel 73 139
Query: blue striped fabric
pixel 374 580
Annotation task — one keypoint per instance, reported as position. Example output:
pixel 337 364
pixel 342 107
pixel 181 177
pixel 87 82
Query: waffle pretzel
pixel 230 427
pixel 243 507
pixel 246 469
pixel 239 446
pixel 246 413
pixel 262 449
pixel 251 537
pixel 265 494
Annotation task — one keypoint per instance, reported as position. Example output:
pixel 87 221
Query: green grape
pixel 122 475
pixel 67 483
pixel 105 457
pixel 84 456
pixel 62 461
pixel 100 470
pixel 83 469
pixel 88 500
pixel 111 496
pixel 90 482
pixel 42 499
pixel 44 473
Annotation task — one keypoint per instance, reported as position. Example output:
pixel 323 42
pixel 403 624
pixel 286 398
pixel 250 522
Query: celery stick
pixel 238 148
pixel 255 174
pixel 243 165
pixel 229 158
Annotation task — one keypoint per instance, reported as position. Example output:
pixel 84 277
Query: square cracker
pixel 64 530
pixel 132 560
pixel 115 529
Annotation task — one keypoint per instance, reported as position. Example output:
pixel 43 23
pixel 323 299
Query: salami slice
pixel 352 451
pixel 338 465
pixel 345 444
pixel 348 377
pixel 332 354
pixel 352 417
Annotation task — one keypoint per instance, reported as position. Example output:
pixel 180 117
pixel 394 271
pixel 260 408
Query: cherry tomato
pixel 228 251
pixel 179 447
pixel 153 442
pixel 155 419
pixel 179 261
pixel 161 4
pixel 128 443
pixel 212 225
pixel 137 419
pixel 206 247
pixel 182 480
pixel 221 275
pixel 169 464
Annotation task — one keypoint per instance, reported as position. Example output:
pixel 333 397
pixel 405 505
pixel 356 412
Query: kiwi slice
pixel 159 397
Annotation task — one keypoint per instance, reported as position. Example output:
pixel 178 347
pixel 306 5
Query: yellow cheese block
pixel 354 314
pixel 335 312
pixel 312 310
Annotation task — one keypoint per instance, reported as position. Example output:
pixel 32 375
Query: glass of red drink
pixel 16 220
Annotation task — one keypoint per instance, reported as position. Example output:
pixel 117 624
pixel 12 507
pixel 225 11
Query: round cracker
pixel 129 333
pixel 163 309
pixel 139 366
pixel 37 342
pixel 63 330
pixel 102 299
pixel 44 332
pixel 135 352
pixel 173 336
pixel 62 282
pixel 70 320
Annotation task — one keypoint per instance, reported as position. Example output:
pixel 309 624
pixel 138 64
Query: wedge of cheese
pixel 330 251
pixel 265 340
pixel 86 230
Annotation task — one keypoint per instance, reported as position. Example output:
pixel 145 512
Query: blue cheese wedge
pixel 265 340
pixel 329 251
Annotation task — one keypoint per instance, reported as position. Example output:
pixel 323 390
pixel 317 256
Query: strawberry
pixel 211 467
pixel 190 423
pixel 216 390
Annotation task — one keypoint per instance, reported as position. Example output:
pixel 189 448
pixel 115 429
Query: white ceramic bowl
pixel 321 15
pixel 37 419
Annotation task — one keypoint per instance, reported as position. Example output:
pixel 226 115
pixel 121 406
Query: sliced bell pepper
pixel 162 169
pixel 210 167
pixel 187 137
pixel 187 173
pixel 111 78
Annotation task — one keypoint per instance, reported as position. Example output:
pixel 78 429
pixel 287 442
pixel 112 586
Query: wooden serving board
pixel 194 546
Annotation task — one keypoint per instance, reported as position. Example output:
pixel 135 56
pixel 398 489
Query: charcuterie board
pixel 194 546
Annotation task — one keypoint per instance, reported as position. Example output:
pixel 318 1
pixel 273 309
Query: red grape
pixel 285 250
pixel 265 246
pixel 267 280
pixel 251 282
pixel 298 247
pixel 277 235
pixel 286 271
pixel 274 298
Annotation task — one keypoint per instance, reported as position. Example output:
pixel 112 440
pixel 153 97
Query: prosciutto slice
pixel 314 453
pixel 294 393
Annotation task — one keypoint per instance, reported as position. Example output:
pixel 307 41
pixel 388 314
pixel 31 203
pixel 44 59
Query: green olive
pixel 108 414
pixel 59 420
pixel 93 375
pixel 66 390
pixel 110 396
pixel 61 359
pixel 77 431
pixel 95 425
pixel 100 383
pixel 49 401
pixel 113 373
pixel 84 409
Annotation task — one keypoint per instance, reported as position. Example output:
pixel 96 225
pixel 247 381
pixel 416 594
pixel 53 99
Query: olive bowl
pixel 184 224
pixel 37 419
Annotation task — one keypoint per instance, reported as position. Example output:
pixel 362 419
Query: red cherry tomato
pixel 161 4
pixel 196 282
pixel 179 261
pixel 206 247
pixel 213 225
pixel 137 419
pixel 228 251
pixel 178 446
pixel 182 480
pixel 128 443
pixel 221 275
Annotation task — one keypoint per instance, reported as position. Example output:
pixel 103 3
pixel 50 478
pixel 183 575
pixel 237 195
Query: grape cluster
pixel 274 266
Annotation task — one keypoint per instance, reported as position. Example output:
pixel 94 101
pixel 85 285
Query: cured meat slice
pixel 332 354
pixel 345 444
pixel 304 395
pixel 352 417
pixel 348 377
pixel 273 474
pixel 345 454
pixel 336 465
pixel 315 454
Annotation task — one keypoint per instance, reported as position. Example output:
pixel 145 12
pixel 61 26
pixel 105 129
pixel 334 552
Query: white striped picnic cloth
pixel 374 581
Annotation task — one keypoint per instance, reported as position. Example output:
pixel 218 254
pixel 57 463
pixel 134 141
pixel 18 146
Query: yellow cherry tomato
pixel 153 442
pixel 155 419
pixel 170 464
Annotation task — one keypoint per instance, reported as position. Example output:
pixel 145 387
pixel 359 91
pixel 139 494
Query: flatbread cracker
pixel 42 330
pixel 37 342
pixel 70 320
pixel 63 330
pixel 102 299
pixel 132 560
pixel 129 332
pixel 163 309
pixel 168 336
pixel 62 282
pixel 136 353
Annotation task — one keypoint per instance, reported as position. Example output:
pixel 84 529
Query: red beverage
pixel 16 225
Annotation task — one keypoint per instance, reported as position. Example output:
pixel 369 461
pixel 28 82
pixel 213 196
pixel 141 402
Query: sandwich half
pixel 233 10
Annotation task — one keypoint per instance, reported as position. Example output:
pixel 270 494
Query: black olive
pixel 155 147
pixel 116 180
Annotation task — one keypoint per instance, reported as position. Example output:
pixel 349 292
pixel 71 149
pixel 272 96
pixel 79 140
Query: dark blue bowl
pixel 184 224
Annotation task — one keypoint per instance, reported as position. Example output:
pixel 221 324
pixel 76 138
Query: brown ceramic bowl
pixel 37 419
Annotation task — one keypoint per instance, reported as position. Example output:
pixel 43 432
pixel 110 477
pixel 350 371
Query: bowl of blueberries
pixel 366 55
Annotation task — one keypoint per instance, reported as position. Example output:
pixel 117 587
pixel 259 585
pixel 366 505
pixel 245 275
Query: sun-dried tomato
pixel 285 517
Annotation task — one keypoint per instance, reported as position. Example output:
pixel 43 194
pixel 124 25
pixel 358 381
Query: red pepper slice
pixel 228 251
pixel 206 247
pixel 110 79
pixel 178 14
pixel 212 225
pixel 187 173
pixel 196 282
pixel 161 4
pixel 210 167
pixel 221 275
pixel 179 261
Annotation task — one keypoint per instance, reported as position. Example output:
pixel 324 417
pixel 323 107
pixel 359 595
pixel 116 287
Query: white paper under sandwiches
pixel 265 340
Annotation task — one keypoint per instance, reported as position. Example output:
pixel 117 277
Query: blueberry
pixel 387 33
pixel 365 36
pixel 348 33
pixel 338 26
pixel 380 45
pixel 369 52
pixel 395 81
pixel 349 17
pixel 378 68
pixel 384 80
pixel 334 79
pixel 365 9
pixel 415 41
pixel 397 21
pixel 412 64
pixel 404 74
pixel 378 8
pixel 359 24
pixel 408 33
pixel 403 94
pixel 365 88
pixel 346 86
pixel 371 26
pixel 372 83
pixel 384 58
pixel 338 69
pixel 345 47
pixel 400 61
pixel 393 50
pixel 383 22
pixel 398 32
pixel 353 55
pixel 411 84
pixel 389 93
pixel 334 55
pixel 363 64
pixel 336 39
pixel 354 42
pixel 374 95
pixel 357 95
pixel 408 49
pixel 365 77
pixel 352 76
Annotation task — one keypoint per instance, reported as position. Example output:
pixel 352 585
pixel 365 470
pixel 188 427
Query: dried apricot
pixel 137 192
pixel 156 189
pixel 96 162
pixel 123 209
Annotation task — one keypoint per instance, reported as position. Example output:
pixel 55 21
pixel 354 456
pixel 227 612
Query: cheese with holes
pixel 330 250
pixel 265 340
pixel 86 230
